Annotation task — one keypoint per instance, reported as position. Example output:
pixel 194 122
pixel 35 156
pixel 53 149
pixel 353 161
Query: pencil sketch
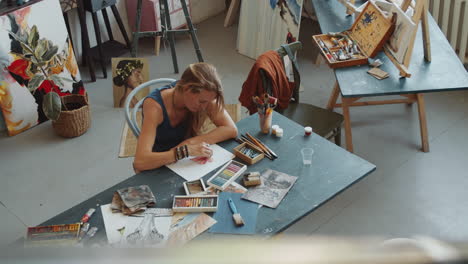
pixel 275 185
pixel 146 234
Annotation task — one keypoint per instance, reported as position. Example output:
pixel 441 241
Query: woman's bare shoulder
pixel 152 109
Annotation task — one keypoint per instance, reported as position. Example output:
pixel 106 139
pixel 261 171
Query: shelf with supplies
pixel 363 40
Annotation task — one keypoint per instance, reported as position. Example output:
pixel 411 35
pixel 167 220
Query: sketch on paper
pixel 275 185
pixel 146 234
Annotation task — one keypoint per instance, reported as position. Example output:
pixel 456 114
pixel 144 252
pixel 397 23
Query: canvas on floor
pixel 127 74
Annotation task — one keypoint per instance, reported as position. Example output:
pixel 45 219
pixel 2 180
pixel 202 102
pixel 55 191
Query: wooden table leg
pixel 347 123
pixel 422 122
pixel 333 97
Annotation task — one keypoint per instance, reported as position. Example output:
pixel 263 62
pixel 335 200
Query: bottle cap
pixel 279 132
pixel 308 131
pixel 274 128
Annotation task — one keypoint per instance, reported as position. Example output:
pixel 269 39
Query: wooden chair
pixel 131 113
pixel 325 123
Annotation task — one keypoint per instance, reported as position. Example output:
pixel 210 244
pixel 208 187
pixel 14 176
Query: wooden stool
pixel 111 48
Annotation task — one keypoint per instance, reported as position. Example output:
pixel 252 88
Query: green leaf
pixel 26 48
pixel 57 80
pixel 50 53
pixel 35 82
pixel 41 48
pixel 16 37
pixel 52 105
pixel 33 37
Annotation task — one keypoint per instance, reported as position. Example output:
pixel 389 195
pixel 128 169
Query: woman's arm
pixel 225 128
pixel 145 158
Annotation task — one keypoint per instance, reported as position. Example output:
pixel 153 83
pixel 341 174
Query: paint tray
pixel 195 203
pixel 227 174
pixel 369 33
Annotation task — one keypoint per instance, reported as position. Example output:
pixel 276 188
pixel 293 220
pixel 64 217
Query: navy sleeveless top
pixel 167 136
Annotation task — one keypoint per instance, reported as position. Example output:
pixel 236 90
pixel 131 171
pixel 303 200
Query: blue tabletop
pixel 333 170
pixel 444 73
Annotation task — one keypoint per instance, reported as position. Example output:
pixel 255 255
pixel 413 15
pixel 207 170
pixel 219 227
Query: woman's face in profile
pixel 135 78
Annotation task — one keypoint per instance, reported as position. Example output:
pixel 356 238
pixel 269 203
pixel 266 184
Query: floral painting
pixel 36 57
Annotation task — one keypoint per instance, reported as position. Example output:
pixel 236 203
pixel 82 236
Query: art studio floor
pixel 410 193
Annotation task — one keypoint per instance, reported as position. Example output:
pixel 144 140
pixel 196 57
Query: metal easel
pixel 166 31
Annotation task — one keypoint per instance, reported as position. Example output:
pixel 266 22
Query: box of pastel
pixel 227 174
pixel 195 204
pixel 363 40
pixel 249 153
pixel 194 187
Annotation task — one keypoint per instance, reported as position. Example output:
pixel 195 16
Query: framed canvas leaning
pixel 127 74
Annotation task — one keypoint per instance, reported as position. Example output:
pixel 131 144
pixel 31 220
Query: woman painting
pixel 128 74
pixel 174 114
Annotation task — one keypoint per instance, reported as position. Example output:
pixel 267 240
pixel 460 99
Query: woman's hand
pixel 200 150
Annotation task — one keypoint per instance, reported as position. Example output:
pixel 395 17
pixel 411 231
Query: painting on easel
pixel 399 42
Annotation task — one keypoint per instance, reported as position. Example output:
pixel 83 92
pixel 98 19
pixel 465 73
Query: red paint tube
pixel 88 215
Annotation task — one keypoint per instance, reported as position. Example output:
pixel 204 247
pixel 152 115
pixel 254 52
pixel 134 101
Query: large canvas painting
pixel 36 57
pixel 265 25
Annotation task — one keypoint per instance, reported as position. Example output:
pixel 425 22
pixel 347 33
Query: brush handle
pixel 232 206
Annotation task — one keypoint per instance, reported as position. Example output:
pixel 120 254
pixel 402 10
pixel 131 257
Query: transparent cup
pixel 307 154
pixel 265 121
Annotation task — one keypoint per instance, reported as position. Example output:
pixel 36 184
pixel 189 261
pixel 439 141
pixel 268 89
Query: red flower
pixel 81 90
pixel 19 68
pixel 47 86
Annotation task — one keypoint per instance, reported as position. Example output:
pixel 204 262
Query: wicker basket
pixel 75 121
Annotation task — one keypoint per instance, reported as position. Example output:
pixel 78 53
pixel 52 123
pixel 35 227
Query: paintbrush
pixel 265 151
pixel 235 215
pixel 262 145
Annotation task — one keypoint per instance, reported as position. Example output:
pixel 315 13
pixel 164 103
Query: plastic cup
pixel 307 154
pixel 265 122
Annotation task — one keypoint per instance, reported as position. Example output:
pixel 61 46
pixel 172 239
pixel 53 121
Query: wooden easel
pixel 421 10
pixel 421 14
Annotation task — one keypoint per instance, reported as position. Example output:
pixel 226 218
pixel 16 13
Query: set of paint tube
pixel 347 48
pixel 266 104
pixel 86 232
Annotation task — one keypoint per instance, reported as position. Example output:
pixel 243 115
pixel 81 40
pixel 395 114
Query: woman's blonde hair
pixel 196 77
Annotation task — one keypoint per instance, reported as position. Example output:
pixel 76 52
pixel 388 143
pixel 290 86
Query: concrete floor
pixel 410 193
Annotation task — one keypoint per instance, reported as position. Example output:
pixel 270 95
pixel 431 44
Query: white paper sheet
pixel 190 170
pixel 115 221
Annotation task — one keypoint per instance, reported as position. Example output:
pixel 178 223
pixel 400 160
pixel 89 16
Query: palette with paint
pixel 195 203
pixel 227 174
